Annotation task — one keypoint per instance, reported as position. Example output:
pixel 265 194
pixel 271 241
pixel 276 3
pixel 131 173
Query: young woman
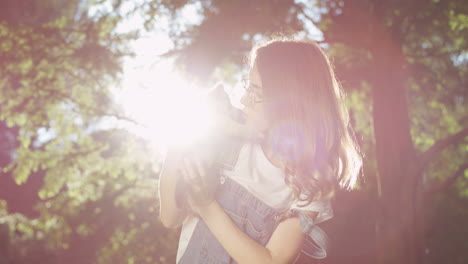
pixel 267 207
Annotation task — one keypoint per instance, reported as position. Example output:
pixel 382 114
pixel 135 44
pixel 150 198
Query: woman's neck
pixel 270 155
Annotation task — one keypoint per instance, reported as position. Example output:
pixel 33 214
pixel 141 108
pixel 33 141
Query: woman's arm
pixel 171 216
pixel 283 247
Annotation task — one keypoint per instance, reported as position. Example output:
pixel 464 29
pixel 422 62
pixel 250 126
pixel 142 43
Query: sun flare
pixel 167 109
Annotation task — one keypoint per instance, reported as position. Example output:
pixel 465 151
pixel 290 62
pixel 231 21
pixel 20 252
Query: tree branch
pixel 301 8
pixel 302 11
pixel 95 110
pixel 440 145
pixel 449 181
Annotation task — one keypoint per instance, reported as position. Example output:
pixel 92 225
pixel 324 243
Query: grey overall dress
pixel 253 217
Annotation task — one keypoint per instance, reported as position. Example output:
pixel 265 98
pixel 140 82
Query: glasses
pixel 252 91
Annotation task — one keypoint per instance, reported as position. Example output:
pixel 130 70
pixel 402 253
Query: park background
pixel 78 78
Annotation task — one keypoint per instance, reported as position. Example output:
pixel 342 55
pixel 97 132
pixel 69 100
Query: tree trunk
pixel 398 202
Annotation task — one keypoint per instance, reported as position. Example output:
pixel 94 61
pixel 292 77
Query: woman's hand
pixel 201 183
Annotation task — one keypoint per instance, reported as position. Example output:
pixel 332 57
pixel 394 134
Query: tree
pixel 92 185
pixel 401 41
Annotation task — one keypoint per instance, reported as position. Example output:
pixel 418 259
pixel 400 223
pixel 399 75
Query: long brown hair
pixel 309 129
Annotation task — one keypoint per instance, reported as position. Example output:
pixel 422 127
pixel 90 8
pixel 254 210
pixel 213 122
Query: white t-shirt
pixel 266 182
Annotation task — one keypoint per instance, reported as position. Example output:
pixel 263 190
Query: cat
pixel 220 149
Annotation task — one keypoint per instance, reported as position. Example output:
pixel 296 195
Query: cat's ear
pixel 218 93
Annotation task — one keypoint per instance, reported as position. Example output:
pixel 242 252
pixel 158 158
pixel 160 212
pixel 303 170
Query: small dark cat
pixel 220 150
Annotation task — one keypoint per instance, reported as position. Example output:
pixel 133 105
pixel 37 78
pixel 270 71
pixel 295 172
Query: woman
pixel 267 207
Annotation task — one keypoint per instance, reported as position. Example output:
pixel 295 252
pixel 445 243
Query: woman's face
pixel 253 101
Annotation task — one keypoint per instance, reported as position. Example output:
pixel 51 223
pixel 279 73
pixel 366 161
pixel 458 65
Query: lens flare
pixel 173 112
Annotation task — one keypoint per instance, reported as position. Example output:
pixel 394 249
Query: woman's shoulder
pixel 322 209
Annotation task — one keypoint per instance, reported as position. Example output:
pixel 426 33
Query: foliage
pixel 96 197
